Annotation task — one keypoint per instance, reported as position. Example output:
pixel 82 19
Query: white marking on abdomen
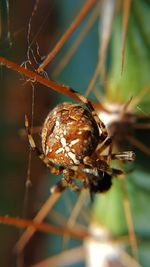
pixel 73 142
pixel 73 157
pixel 63 141
pixel 59 150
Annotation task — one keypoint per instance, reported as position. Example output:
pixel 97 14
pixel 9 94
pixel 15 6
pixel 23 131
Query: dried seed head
pixel 69 134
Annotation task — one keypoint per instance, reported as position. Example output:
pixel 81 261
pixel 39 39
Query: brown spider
pixel 73 141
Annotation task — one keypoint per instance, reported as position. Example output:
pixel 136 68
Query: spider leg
pixel 101 147
pixel 41 155
pixel 92 166
pixel 122 156
pixel 125 156
pixel 69 174
pixel 97 155
pixel 81 171
pixel 104 168
pixel 66 181
pixel 102 127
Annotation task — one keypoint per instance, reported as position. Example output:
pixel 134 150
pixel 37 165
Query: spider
pixel 74 140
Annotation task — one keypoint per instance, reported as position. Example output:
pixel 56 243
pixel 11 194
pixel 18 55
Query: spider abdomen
pixel 69 134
